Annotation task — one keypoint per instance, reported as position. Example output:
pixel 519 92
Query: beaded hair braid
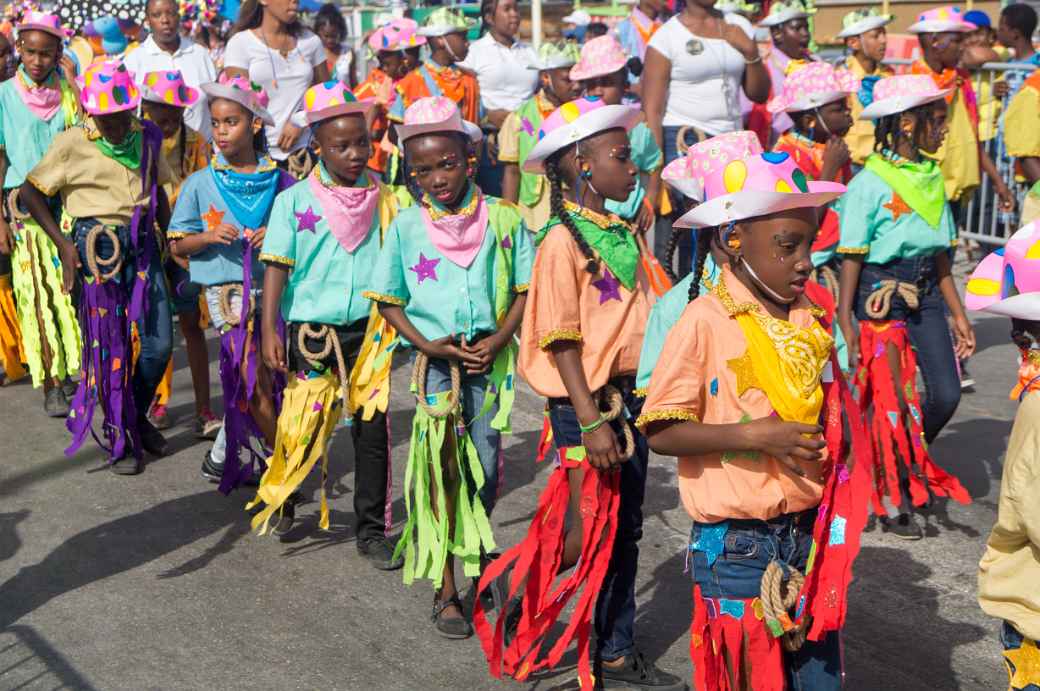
pixel 553 175
pixel 704 236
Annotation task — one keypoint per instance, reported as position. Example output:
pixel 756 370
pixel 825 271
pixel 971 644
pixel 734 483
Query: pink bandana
pixel 348 210
pixel 458 237
pixel 44 101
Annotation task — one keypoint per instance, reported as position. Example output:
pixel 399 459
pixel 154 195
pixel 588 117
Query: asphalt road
pixel 155 582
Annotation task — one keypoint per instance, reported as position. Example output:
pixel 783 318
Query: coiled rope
pixel 880 301
pixel 779 598
pixel 610 398
pixel 12 204
pixel 227 293
pixel 317 357
pixel 103 269
pixel 680 138
pixel 451 404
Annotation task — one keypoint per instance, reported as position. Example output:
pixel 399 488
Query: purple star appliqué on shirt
pixel 308 220
pixel 506 243
pixel 528 126
pixel 608 287
pixel 426 268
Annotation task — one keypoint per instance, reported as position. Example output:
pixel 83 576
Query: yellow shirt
pixel 1009 573
pixel 91 184
pixel 860 138
pixel 958 156
pixel 509 152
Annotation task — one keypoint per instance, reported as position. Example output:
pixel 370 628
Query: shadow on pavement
pixel 973 450
pixel 10 543
pixel 29 661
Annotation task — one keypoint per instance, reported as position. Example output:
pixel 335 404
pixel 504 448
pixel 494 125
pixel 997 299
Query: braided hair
pixel 669 253
pixel 888 134
pixel 553 175
pixel 704 236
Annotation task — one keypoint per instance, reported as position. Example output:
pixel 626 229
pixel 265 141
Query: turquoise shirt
pixel 23 136
pixel 325 280
pixel 647 157
pixel 200 202
pixel 877 224
pixel 438 296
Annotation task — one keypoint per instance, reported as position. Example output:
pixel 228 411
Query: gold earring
pixel 733 242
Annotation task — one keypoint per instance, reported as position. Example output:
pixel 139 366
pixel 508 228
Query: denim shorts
pixel 184 295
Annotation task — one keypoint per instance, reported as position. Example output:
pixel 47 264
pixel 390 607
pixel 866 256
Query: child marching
pixel 321 247
pixel 865 42
pixel 897 230
pixel 452 280
pixel 219 224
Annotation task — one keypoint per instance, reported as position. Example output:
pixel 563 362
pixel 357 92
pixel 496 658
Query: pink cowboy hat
pixel 168 87
pixel 107 87
pixel 941 20
pixel 600 56
pixel 397 35
pixel 41 21
pixel 574 121
pixel 239 89
pixel 1007 282
pixel 329 100
pixel 756 186
pixel 900 93
pixel 435 114
pixel 811 86
pixel 687 174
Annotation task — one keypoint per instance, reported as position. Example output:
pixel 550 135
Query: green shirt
pixel 23 136
pixel 440 297
pixel 647 157
pixel 326 281
pixel 877 223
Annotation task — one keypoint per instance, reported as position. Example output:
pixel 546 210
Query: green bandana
pixel 919 184
pixel 128 153
pixel 609 237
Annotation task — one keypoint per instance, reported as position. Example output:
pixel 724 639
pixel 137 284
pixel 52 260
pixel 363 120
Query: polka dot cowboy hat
pixel 859 22
pixel 108 87
pixel 601 56
pixel 435 114
pixel 243 92
pixel 397 35
pixel 1007 282
pixel 168 87
pixel 813 85
pixel 756 186
pixel 900 93
pixel 41 21
pixel 574 121
pixel 941 20
pixel 687 174
pixel 329 100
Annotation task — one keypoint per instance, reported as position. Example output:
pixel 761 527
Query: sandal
pixel 455 628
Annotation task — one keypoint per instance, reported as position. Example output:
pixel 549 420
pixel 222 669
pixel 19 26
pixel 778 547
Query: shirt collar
pixel 264 163
pixel 641 18
pixel 153 48
pixel 737 299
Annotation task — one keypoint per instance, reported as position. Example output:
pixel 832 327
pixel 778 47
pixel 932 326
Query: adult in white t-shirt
pixel 274 50
pixel 166 49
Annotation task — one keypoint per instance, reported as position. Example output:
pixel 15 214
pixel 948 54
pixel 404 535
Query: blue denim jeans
pixel 1012 640
pixel 929 334
pixel 734 569
pixel 154 326
pixel 486 439
pixel 615 613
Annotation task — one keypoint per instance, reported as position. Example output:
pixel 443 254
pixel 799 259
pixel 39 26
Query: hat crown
pixel 446 17
pixel 769 172
pixel 431 110
pixel 36 18
pixel 813 84
pixel 559 54
pixel 396 35
pixel 1009 271
pixel 250 90
pixel 168 86
pixel 601 56
pixel 709 155
pixel 904 85
pixel 568 113
pixel 326 95
pixel 854 17
pixel 107 87
pixel 790 7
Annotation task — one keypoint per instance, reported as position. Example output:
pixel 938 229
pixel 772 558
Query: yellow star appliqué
pixel 745 373
pixel 1026 664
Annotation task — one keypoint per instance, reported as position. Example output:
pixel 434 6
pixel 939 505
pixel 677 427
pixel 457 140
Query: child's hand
pixel 68 68
pixel 274 352
pixel 964 335
pixel 645 218
pixel 601 447
pixel 70 264
pixel 1007 198
pixel 223 234
pixel 785 441
pixel 256 237
pixel 484 352
pixel 446 349
pixel 835 155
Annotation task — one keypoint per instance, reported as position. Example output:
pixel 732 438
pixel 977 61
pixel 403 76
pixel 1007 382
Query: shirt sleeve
pixel 313 49
pixel 663 316
pixel 857 209
pixel 237 52
pixel 187 214
pixel 523 258
pixel 280 239
pixel 1021 134
pixel 645 152
pixel 50 174
pixel 388 281
pixel 661 40
pixel 555 291
pixel 676 390
pixel 509 139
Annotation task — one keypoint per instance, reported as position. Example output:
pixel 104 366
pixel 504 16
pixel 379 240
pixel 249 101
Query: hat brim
pixel 551 65
pixel 217 90
pixel 674 175
pixel 434 31
pixel 899 104
pixel 806 102
pixel 152 96
pixel 57 33
pixel 576 20
pixel 579 74
pixel 940 26
pixel 352 108
pixel 406 132
pixel 1021 306
pixel 782 18
pixel 864 25
pixel 599 120
pixel 746 204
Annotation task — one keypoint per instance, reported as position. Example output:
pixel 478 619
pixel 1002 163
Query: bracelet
pixel 588 429
pixel 758 59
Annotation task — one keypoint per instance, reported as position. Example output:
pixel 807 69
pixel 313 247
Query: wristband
pixel 588 429
pixel 758 59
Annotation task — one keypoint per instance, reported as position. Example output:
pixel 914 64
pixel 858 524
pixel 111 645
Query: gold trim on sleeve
pixel 521 288
pixel 382 297
pixel 277 259
pixel 559 335
pixel 676 414
pixel 853 250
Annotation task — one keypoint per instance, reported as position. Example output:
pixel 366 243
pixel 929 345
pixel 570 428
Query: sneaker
pixel 152 440
pixel 55 404
pixel 903 526
pixel 159 417
pixel 455 628
pixel 380 553
pixel 637 673
pixel 128 465
pixel 287 516
pixel 967 381
pixel 69 387
pixel 207 425
pixel 210 470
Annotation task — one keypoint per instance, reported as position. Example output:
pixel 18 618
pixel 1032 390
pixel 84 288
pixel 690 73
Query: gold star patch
pixel 745 373
pixel 1023 664
pixel 213 218
pixel 897 206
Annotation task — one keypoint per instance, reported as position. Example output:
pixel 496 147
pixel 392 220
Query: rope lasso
pixel 779 597
pixel 300 164
pixel 316 358
pixel 451 405
pixel 95 264
pixel 830 280
pixel 12 205
pixel 880 301
pixel 610 397
pixel 227 293
pixel 680 138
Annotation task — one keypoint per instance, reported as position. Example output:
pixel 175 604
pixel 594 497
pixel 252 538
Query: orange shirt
pixel 459 86
pixel 700 376
pixel 379 87
pixel 564 302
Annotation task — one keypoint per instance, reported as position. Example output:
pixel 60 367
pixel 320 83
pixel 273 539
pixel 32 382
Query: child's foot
pixel 634 672
pixel 967 381
pixel 207 425
pixel 447 617
pixel 160 417
pixel 902 526
pixel 379 551
pixel 55 404
pixel 210 470
pixel 152 440
pixel 128 465
pixel 69 387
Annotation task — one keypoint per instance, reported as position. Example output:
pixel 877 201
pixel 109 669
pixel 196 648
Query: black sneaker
pixel 68 387
pixel 903 526
pixel 210 470
pixel 55 404
pixel 128 465
pixel 152 439
pixel 287 516
pixel 379 551
pixel 637 673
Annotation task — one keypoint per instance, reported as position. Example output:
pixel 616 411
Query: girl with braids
pixel 583 328
pixel 748 397
pixel 897 231
pixel 452 280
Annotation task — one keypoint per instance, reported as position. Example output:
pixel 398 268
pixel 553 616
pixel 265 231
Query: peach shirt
pixel 564 302
pixel 693 380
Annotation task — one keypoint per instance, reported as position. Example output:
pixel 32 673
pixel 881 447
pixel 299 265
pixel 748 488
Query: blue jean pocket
pixel 739 546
